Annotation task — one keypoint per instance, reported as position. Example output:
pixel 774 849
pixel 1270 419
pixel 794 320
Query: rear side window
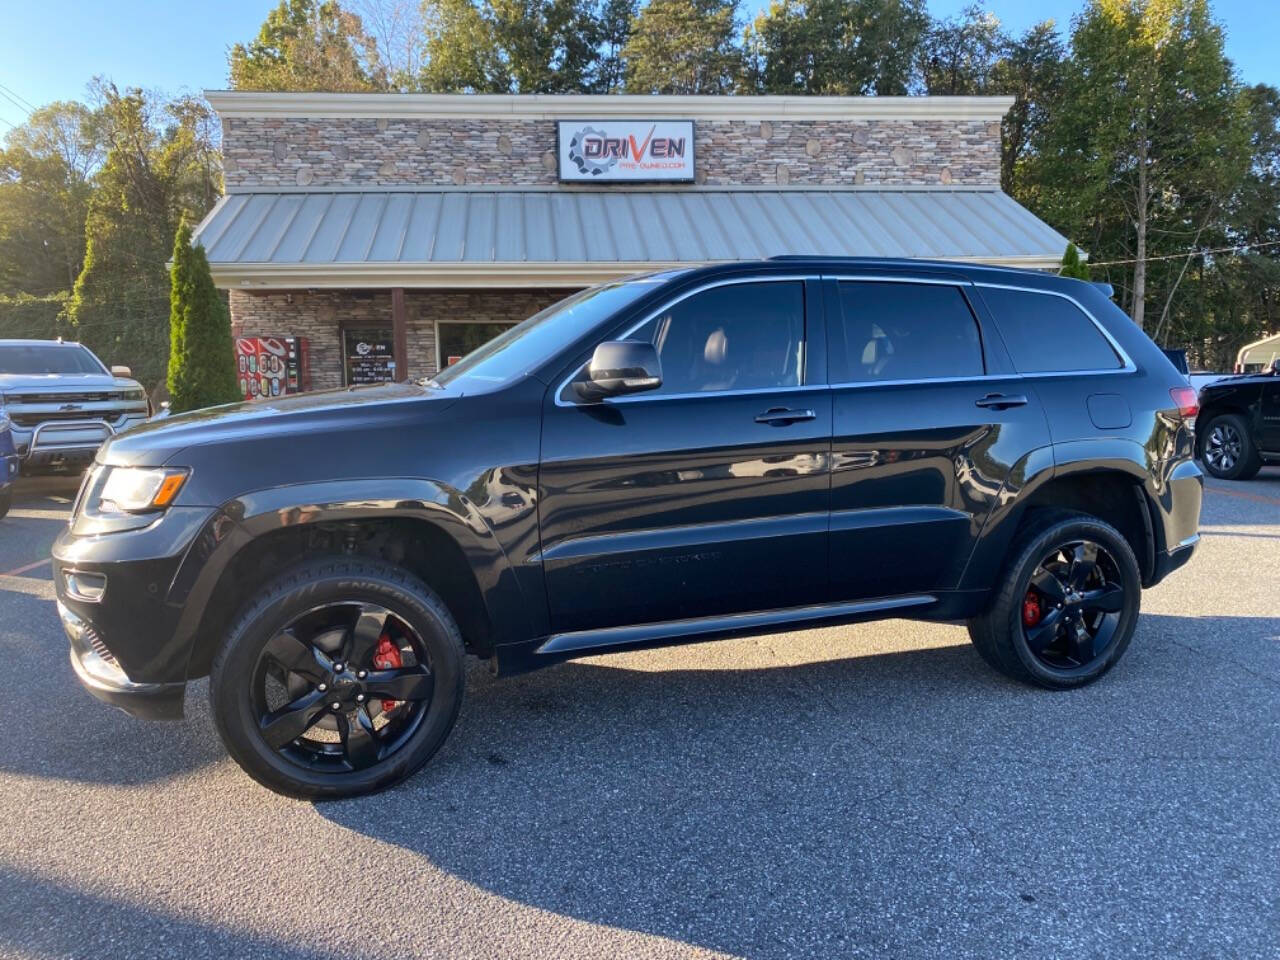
pixel 907 331
pixel 1047 333
pixel 741 336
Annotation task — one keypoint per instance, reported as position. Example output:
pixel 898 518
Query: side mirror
pixel 121 371
pixel 620 367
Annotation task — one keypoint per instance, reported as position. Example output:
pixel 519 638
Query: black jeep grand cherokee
pixel 675 457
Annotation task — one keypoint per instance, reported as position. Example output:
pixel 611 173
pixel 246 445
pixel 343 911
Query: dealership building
pixel 393 233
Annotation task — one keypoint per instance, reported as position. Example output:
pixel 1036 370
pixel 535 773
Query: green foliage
pixel 161 165
pixel 684 47
pixel 45 172
pixel 305 45
pixel 24 317
pixel 960 56
pixel 1072 266
pixel 202 364
pixel 836 47
pixel 516 46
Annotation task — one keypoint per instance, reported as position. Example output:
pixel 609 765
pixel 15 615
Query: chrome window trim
pixel 710 285
pixel 1127 364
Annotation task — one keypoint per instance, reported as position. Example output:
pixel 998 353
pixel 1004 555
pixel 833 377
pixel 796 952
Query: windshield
pixel 44 358
pixel 535 340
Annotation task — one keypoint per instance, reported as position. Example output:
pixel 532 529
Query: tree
pixel 45 172
pixel 305 45
pixel 1072 265
pixel 836 47
pixel 960 55
pixel 1032 71
pixel 398 31
pixel 161 165
pixel 202 365
pixel 616 20
pixel 684 47
pixel 1150 135
pixel 511 46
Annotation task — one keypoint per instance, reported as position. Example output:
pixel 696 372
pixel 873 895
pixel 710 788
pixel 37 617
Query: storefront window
pixel 368 354
pixel 456 340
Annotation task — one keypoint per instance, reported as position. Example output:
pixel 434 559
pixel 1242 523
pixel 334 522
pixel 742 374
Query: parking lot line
pixel 1243 495
pixel 19 571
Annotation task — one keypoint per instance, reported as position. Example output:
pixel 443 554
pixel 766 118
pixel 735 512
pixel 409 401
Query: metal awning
pixel 571 237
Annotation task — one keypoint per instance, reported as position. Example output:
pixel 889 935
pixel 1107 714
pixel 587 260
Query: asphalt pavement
pixel 860 791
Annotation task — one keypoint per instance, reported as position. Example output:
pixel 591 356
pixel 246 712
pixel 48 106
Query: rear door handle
pixel 1001 401
pixel 779 416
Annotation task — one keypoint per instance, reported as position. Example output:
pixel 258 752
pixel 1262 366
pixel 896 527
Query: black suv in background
pixel 1238 429
pixel 675 457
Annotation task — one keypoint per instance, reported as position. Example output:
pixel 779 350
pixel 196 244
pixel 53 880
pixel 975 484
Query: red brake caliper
pixel 387 657
pixel 1031 612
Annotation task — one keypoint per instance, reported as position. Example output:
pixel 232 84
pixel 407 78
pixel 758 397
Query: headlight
pixel 132 489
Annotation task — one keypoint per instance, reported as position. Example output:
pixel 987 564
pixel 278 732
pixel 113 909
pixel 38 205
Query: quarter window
pixel 740 336
pixel 1047 333
pixel 907 331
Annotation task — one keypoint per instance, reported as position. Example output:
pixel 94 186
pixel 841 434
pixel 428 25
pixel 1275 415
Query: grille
pixel 99 647
pixel 13 398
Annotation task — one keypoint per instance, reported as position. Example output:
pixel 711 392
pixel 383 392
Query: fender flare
pixel 242 521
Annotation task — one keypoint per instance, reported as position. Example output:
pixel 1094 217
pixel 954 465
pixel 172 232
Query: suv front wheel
pixel 342 677
pixel 1069 604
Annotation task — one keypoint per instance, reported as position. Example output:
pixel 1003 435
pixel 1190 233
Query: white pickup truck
pixel 63 402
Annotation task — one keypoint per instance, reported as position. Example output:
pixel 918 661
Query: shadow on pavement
pixel 48 919
pixel 873 800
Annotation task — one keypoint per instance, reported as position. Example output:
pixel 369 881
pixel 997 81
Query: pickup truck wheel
pixel 1068 606
pixel 342 677
pixel 1227 450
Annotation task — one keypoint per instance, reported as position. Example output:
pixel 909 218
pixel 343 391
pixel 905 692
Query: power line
pixel 1238 248
pixel 15 102
pixel 10 90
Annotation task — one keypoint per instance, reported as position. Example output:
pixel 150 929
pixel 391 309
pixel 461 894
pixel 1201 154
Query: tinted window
pixel 537 339
pixel 908 331
pixel 742 336
pixel 40 358
pixel 1045 333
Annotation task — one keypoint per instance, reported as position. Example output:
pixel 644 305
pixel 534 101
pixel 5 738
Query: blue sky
pixel 49 49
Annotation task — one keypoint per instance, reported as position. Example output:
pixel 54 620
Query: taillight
pixel 1187 402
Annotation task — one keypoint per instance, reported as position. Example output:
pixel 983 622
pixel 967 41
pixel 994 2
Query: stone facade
pixel 321 315
pixel 269 152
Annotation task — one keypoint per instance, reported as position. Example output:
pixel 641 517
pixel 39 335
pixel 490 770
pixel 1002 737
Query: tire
pixel 328 592
pixel 1227 450
pixel 1001 634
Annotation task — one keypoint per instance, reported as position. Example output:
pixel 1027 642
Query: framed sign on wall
pixel 635 151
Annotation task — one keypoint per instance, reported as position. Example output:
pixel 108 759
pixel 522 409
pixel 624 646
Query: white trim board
pixel 424 106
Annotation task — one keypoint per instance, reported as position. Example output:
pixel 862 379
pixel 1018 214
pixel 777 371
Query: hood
pixel 164 437
pixel 11 383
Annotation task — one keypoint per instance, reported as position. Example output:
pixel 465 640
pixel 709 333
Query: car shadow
pixel 816 807
pixel 37 914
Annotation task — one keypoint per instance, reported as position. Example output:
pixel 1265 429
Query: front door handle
pixel 1001 401
pixel 781 415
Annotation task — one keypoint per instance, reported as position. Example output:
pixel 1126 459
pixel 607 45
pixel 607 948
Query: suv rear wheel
pixel 1227 450
pixel 1069 604
pixel 342 677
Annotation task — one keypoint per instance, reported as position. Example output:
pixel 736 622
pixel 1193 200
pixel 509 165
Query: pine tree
pixel 202 369
pixel 1072 265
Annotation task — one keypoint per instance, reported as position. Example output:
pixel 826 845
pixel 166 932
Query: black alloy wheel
pixel 1067 605
pixel 342 687
pixel 1223 447
pixel 342 677
pixel 1072 608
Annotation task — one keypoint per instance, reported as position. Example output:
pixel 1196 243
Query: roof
pixel 430 106
pixel 572 237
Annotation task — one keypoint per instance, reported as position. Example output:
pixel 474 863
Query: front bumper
pixel 67 443
pixel 100 674
pixel 8 470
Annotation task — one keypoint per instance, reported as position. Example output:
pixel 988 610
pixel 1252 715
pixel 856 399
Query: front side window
pixel 907 331
pixel 1047 333
pixel 740 336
